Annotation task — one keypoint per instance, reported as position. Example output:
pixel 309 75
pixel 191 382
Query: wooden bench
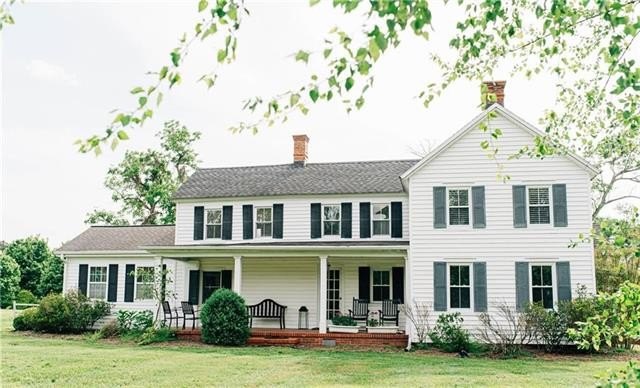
pixel 268 308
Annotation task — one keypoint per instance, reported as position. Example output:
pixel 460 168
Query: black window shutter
pixel 226 278
pixel 439 286
pixel 129 282
pixel 247 222
pixel 560 205
pixel 227 222
pixel 440 208
pixel 479 215
pixel 519 206
pixel 480 286
pixel 83 277
pixel 364 283
pixel 278 220
pixel 397 279
pixel 365 219
pixel 345 214
pixel 396 219
pixel 563 275
pixel 316 220
pixel 522 285
pixel 194 286
pixel 198 222
pixel 112 288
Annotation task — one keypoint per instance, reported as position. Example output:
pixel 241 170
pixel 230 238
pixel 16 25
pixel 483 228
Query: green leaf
pixel 137 90
pixel 124 119
pixel 348 84
pixel 163 72
pixel 175 79
pixel 359 102
pixel 175 58
pixel 142 101
pixel 202 5
pixel 374 50
pixel 293 100
pixel 122 135
pixel 326 52
pixel 313 2
pixel 233 12
pixel 222 54
pixel 211 30
pixel 302 56
pixel 314 94
pixel 159 98
pixel 484 144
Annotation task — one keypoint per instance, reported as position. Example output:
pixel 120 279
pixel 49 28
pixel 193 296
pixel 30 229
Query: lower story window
pixel 542 285
pixel 98 282
pixel 381 285
pixel 459 287
pixel 144 282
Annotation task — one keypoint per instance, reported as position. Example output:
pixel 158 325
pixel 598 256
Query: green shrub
pixel 449 335
pixel 152 335
pixel 83 312
pixel 616 322
pixel 26 296
pixel 53 315
pixel 343 320
pixel 549 326
pixel 26 320
pixel 224 319
pixel 108 330
pixel 628 377
pixel 129 320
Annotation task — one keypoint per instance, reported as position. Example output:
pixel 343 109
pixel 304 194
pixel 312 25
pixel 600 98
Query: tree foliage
pixel 51 276
pixel 9 280
pixel 30 253
pixel 144 181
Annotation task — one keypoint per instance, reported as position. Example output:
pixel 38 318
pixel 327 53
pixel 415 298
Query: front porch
pixel 311 338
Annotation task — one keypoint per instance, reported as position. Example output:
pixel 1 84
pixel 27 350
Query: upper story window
pixel 381 285
pixel 214 223
pixel 380 219
pixel 264 222
pixel 458 206
pixel 331 220
pixel 144 282
pixel 542 285
pixel 98 282
pixel 539 205
pixel 459 287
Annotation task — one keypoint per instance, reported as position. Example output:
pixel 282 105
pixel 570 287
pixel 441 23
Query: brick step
pixel 263 341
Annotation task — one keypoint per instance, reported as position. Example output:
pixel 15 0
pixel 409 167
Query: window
pixel 459 287
pixel 539 209
pixel 214 223
pixel 144 282
pixel 458 207
pixel 381 285
pixel 380 219
pixel 331 220
pixel 263 222
pixel 98 282
pixel 542 285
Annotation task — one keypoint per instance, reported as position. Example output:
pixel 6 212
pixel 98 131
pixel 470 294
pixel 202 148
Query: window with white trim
pixel 331 220
pixel 264 221
pixel 145 277
pixel 459 207
pixel 214 223
pixel 98 282
pixel 542 285
pixel 381 285
pixel 460 286
pixel 539 205
pixel 380 218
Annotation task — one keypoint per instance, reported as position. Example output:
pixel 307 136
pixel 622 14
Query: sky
pixel 66 65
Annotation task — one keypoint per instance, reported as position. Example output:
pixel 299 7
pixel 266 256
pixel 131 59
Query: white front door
pixel 333 293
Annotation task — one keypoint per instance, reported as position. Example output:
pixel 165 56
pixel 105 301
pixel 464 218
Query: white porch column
pixel 323 295
pixel 237 274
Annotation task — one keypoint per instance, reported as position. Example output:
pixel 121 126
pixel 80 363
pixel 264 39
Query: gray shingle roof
pixel 120 238
pixel 289 179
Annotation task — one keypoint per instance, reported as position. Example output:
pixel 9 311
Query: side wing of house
pixel 477 241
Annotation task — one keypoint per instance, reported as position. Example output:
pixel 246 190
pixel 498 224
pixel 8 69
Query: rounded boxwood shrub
pixel 224 319
pixel 53 315
pixel 26 296
pixel 26 320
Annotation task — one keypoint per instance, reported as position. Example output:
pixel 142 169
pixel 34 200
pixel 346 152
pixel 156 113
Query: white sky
pixel 66 65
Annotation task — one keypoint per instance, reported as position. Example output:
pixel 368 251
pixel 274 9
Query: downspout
pixel 65 264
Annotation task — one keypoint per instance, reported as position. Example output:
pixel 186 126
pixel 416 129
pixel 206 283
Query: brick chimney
pixel 497 88
pixel 300 149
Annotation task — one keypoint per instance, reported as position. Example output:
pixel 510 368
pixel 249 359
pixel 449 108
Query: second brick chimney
pixel 497 88
pixel 300 149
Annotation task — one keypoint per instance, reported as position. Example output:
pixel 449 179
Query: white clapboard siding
pixel 296 219
pixel 500 245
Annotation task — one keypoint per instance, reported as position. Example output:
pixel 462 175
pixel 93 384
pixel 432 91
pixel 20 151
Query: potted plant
pixel 343 324
pixel 373 326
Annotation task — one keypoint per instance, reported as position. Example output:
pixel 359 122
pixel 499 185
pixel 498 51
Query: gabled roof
pixel 288 179
pixel 120 238
pixel 517 120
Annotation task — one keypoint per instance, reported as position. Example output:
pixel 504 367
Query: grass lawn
pixel 77 361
